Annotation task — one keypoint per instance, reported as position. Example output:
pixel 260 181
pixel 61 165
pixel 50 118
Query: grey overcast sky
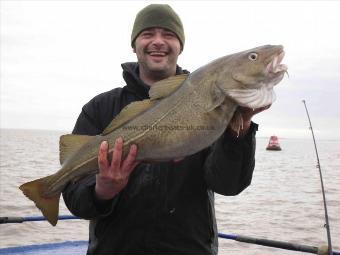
pixel 57 55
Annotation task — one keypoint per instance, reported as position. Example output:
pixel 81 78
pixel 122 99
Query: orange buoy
pixel 273 144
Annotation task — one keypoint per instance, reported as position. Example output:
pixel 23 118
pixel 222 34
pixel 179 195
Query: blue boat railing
pixel 240 238
pixel 4 220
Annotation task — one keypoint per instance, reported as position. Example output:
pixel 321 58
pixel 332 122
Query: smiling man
pixel 157 50
pixel 156 208
pixel 157 39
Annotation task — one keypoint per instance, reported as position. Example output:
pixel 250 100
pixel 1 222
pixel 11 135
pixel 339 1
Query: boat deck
pixel 64 248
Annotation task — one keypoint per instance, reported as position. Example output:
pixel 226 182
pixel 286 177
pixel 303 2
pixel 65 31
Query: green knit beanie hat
pixel 158 15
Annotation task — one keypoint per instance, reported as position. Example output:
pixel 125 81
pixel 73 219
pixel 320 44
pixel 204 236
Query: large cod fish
pixel 185 114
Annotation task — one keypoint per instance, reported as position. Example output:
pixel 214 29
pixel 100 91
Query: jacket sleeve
pixel 80 196
pixel 230 163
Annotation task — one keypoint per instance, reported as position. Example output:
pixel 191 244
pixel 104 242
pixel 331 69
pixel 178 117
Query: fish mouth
pixel 275 65
pixel 257 91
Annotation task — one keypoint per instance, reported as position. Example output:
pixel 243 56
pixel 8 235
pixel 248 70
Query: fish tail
pixel 49 205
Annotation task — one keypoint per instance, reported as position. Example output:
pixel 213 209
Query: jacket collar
pixel 134 84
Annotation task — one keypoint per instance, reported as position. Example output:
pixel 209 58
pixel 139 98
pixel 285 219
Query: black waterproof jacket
pixel 166 208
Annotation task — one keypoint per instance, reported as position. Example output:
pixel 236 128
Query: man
pixel 156 208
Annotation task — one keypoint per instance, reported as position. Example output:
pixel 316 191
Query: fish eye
pixel 252 56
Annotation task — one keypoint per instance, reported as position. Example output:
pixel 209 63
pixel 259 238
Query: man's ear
pixel 134 49
pixel 181 49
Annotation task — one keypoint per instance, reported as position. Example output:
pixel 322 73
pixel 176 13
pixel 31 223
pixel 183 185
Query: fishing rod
pixel 329 240
pixel 240 238
pixel 322 250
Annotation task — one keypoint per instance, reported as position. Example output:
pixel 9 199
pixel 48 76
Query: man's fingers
pixel 262 109
pixel 130 161
pixel 117 154
pixel 248 113
pixel 103 163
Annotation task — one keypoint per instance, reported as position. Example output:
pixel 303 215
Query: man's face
pixel 157 50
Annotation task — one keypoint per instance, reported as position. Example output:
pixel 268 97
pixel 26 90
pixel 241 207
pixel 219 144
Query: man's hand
pixel 113 176
pixel 246 114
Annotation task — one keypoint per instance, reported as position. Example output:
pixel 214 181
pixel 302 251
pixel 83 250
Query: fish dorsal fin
pixel 157 91
pixel 68 144
pixel 165 87
pixel 129 112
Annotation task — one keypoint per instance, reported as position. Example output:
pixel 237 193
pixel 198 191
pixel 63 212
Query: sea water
pixel 283 202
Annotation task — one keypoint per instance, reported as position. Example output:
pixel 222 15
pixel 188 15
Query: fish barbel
pixel 185 114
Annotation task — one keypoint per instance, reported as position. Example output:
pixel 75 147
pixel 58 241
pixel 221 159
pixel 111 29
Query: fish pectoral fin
pixel 68 144
pixel 49 206
pixel 216 98
pixel 129 112
pixel 214 104
pixel 165 87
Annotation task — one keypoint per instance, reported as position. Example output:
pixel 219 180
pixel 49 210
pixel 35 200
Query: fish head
pixel 253 74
